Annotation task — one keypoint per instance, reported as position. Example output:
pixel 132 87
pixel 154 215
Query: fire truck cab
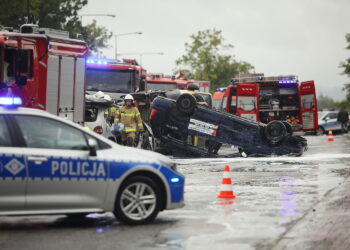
pixel 45 69
pixel 264 99
pixel 113 77
pixel 161 82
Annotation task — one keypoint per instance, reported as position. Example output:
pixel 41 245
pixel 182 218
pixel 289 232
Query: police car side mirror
pixel 92 145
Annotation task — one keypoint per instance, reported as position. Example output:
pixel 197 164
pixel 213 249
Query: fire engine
pixel 161 82
pixel 265 99
pixel 113 77
pixel 45 69
pixel 203 86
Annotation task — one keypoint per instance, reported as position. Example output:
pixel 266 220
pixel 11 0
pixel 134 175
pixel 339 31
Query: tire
pixel 320 131
pixel 186 104
pixel 129 202
pixel 275 132
pixel 289 128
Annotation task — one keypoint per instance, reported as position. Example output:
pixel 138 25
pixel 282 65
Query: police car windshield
pixel 115 81
pixel 321 114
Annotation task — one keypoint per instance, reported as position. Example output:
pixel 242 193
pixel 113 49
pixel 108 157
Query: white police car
pixel 328 120
pixel 52 166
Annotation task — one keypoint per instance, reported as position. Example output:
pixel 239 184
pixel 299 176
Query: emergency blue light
pixel 10 101
pixel 91 61
pixel 174 180
pixel 286 81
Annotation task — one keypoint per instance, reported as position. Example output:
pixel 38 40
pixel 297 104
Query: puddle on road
pixel 97 222
pixel 171 238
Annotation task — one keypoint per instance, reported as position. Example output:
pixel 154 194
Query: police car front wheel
pixel 138 201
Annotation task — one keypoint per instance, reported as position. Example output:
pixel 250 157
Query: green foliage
pixel 325 102
pixel 95 36
pixel 346 71
pixel 55 14
pixel 203 57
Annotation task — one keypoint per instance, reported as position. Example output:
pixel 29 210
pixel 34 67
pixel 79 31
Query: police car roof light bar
pixel 10 101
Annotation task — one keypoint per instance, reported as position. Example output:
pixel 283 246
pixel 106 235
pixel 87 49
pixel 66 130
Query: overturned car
pixel 182 126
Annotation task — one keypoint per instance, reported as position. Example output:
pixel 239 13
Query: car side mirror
pixel 92 146
pixel 326 119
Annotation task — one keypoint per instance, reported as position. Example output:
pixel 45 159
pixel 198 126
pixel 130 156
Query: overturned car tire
pixel 289 128
pixel 275 132
pixel 186 103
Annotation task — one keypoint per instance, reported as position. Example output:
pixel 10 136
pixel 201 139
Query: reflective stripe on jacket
pixel 130 117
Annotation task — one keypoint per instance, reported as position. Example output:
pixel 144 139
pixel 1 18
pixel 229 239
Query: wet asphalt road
pixel 282 203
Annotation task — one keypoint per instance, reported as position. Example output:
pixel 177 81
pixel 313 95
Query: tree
pixel 325 102
pixel 205 61
pixel 346 66
pixel 55 14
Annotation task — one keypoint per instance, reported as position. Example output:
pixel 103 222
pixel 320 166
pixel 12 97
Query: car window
pixel 333 115
pixel 91 114
pixel 40 132
pixel 5 139
pixel 100 144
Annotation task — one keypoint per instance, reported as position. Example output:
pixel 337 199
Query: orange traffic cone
pixel 226 191
pixel 330 135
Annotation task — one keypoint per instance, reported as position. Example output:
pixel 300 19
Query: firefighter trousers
pixel 128 138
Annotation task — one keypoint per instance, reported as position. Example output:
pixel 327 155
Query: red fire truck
pixel 161 82
pixel 204 86
pixel 113 77
pixel 45 69
pixel 264 99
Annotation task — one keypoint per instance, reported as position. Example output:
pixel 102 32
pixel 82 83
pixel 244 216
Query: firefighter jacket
pixel 130 117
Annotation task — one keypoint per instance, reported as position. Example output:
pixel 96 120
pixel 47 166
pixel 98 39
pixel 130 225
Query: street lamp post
pixel 123 34
pixel 81 16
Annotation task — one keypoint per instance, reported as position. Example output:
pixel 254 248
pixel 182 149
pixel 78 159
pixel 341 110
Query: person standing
pixel 130 117
pixel 343 117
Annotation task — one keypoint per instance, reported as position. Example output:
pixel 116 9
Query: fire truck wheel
pixel 275 132
pixel 186 103
pixel 288 128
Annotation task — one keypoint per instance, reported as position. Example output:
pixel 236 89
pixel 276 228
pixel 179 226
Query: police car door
pixel 63 177
pixel 12 171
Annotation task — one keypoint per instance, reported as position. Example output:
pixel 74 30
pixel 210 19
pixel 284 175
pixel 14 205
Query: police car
pixel 49 165
pixel 329 120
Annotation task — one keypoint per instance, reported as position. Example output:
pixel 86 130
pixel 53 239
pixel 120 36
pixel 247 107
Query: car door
pixel 308 105
pixel 12 171
pixel 333 121
pixel 62 174
pixel 330 121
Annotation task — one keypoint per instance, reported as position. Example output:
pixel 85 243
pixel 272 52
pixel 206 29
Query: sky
pixel 278 37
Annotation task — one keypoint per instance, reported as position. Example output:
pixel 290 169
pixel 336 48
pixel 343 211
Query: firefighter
pixel 130 117
pixel 343 117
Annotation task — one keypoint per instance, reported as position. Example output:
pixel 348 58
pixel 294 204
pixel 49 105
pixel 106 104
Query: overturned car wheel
pixel 275 132
pixel 289 128
pixel 186 103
